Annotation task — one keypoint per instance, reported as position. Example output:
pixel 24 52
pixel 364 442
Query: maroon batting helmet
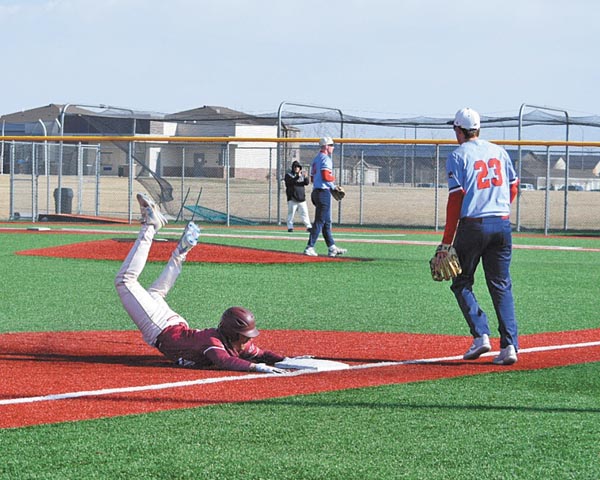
pixel 238 321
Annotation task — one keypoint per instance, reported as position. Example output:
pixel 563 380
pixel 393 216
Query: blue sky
pixel 379 58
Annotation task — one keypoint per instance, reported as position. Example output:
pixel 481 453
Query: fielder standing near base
pixel 482 184
pixel 324 187
pixel 227 347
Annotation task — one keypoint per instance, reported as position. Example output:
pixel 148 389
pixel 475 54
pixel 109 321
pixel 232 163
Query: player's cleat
pixel 145 201
pixel 182 362
pixel 335 251
pixel 150 212
pixel 290 230
pixel 479 346
pixel 508 356
pixel 310 251
pixel 189 239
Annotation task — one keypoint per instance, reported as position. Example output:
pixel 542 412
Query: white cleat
pixel 189 239
pixel 479 346
pixel 310 251
pixel 508 356
pixel 335 251
pixel 150 212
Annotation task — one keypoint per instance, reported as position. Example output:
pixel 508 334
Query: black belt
pixel 480 219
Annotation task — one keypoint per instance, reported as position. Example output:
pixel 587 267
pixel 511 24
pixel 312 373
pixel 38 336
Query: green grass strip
pixel 521 425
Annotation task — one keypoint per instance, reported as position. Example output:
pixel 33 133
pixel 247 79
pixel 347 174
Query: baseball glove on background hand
pixel 338 193
pixel 444 265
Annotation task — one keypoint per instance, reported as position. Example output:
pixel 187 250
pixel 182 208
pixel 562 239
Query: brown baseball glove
pixel 338 193
pixel 445 264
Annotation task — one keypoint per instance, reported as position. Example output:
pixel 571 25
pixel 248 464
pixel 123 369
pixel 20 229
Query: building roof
pixel 53 111
pixel 218 114
pixel 49 113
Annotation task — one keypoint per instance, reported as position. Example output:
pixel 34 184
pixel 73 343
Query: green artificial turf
pixel 529 425
pixel 523 425
pixel 554 290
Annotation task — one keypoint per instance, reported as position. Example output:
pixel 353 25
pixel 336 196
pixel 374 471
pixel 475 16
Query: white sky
pixel 378 58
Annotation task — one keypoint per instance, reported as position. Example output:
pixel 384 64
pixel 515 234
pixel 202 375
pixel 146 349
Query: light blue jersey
pixel 484 171
pixel 321 162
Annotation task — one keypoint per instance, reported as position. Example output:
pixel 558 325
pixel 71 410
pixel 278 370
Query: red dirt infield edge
pixel 47 363
pixel 117 249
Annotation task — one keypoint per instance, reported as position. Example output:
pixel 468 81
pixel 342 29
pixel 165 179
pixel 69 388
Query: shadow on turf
pixel 129 360
pixel 159 361
pixel 408 406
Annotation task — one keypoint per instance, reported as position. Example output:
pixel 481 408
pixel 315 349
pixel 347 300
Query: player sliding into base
pixel 227 347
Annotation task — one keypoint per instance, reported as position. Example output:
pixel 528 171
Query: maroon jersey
pixel 208 348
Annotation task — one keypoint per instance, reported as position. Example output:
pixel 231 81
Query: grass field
pixel 525 425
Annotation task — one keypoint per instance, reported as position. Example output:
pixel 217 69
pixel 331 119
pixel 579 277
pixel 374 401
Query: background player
pixel 295 183
pixel 228 347
pixel 482 184
pixel 321 173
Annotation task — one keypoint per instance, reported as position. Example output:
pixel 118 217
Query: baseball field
pixel 82 397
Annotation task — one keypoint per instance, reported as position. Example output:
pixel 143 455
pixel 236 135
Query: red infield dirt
pixel 117 249
pixel 38 369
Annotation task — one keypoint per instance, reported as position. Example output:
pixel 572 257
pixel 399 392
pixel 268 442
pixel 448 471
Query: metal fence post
pixel 2 150
pixel 47 173
pixel 437 188
pixel 79 178
pixel 270 181
pixel 11 206
pixel 182 176
pixel 33 183
pixel 97 173
pixel 361 187
pixel 130 181
pixel 547 193
pixel 341 182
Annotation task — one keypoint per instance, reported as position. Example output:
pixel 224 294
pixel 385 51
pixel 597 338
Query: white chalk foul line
pixel 207 381
pixel 488 354
pixel 142 388
pixel 364 237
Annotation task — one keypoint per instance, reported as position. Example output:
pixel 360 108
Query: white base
pixel 314 364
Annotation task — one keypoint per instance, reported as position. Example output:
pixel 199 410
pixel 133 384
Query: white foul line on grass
pixel 363 237
pixel 207 381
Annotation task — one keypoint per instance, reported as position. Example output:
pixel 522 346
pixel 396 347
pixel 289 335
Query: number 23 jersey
pixel 484 172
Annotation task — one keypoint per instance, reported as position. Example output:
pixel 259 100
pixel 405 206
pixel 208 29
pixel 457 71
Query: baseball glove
pixel 444 265
pixel 338 193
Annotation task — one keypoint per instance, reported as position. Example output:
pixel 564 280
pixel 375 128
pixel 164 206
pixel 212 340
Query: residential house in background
pixel 250 160
pixel 408 165
pixel 246 160
pixel 584 171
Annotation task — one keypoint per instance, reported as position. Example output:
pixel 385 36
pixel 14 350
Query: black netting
pixel 158 187
pixel 212 115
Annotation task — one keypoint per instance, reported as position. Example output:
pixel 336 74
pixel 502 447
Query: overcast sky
pixel 367 57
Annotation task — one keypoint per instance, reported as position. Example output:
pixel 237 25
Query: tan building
pixel 246 160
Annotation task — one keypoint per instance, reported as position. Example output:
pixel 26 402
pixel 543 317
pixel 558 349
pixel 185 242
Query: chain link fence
pixel 237 183
pixel 42 184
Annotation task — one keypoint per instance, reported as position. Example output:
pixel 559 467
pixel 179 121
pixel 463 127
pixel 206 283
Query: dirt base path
pixel 69 376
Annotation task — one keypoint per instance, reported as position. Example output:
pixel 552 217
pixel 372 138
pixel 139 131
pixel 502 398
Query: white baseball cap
pixel 468 119
pixel 325 141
